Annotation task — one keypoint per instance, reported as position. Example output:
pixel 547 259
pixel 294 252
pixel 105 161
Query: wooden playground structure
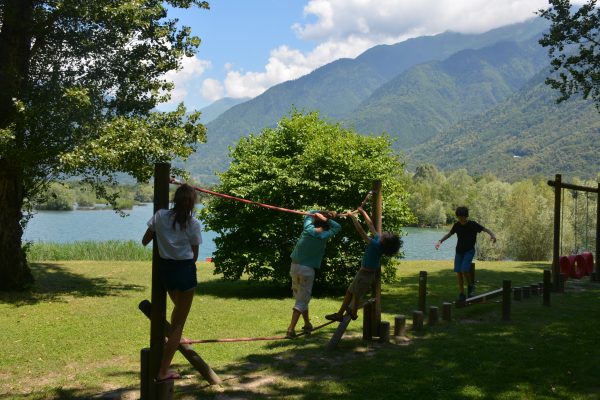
pixel 372 327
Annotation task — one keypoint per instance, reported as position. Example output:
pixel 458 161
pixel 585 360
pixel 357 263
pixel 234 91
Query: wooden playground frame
pixel 558 184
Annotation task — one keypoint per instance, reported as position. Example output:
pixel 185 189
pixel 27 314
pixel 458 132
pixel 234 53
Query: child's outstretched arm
pixel 369 222
pixel 359 228
pixel 492 236
pixel 439 242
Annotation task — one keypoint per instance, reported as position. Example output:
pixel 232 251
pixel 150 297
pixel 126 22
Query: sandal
pixel 307 328
pixel 334 317
pixel 290 334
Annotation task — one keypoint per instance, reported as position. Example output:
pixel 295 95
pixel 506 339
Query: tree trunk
pixel 15 49
pixel 14 271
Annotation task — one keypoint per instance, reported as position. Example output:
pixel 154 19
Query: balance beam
pixel 339 332
pixel 482 298
pixel 194 358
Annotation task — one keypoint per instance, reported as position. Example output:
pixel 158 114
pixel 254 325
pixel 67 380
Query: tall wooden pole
pixel 377 209
pixel 159 295
pixel 557 227
pixel 597 259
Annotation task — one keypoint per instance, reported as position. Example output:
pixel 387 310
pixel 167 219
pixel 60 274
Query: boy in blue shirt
pixel 306 258
pixel 385 243
pixel 466 232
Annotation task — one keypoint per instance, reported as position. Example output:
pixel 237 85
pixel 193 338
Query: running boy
pixel 466 232
pixel 385 243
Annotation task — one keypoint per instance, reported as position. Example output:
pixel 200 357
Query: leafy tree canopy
pixel 79 81
pixel 573 44
pixel 304 163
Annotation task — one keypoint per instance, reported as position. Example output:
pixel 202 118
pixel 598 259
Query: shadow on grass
pixel 52 281
pixel 536 356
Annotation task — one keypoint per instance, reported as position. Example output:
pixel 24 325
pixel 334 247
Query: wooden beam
pixel 194 358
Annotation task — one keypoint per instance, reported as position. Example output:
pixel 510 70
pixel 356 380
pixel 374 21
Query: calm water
pixel 102 225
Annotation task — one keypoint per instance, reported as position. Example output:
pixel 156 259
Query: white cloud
pixel 346 28
pixel 212 89
pixel 192 69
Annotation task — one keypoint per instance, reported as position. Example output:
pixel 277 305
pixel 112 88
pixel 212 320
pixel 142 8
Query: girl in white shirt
pixel 178 239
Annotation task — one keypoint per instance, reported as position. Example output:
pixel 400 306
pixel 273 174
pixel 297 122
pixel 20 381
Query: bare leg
pixel 295 316
pixel 461 283
pixel 346 302
pixel 306 318
pixel 182 303
pixel 468 278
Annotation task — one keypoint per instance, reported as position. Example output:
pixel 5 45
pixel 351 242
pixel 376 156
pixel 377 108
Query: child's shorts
pixel 462 261
pixel 178 274
pixel 302 283
pixel 362 283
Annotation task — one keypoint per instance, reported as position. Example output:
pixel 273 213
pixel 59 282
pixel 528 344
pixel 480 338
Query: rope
pixel 226 196
pixel 229 197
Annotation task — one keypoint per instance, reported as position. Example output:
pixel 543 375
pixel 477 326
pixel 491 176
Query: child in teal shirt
pixel 385 243
pixel 306 258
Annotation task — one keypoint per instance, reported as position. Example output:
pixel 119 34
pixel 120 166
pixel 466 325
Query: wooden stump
pixel 526 292
pixel 384 329
pixel 547 287
pixel 400 325
pixel 506 299
pixel 534 289
pixel 417 320
pixel 433 315
pixel 422 290
pixel 447 311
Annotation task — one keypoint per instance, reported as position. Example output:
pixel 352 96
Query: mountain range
pixel 452 99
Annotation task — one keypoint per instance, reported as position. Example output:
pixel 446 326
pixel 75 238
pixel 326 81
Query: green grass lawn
pixel 78 335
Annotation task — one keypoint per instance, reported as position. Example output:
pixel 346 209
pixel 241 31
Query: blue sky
pixel 251 45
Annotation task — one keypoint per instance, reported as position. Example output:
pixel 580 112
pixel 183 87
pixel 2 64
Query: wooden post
pixel 433 316
pixel 384 330
pixel 377 221
pixel 159 295
pixel 144 374
pixel 546 287
pixel 400 325
pixel 186 350
pixel 506 298
pixel 422 291
pixel 447 311
pixel 556 238
pixel 367 321
pixel 417 320
pixel 597 259
pixel 472 273
pixel 518 292
pixel 339 332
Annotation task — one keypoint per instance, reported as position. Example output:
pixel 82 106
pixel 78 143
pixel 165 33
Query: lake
pixel 103 225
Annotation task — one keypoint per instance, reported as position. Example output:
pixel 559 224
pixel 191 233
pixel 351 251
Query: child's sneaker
pixel 307 328
pixel 461 298
pixel 334 317
pixel 471 290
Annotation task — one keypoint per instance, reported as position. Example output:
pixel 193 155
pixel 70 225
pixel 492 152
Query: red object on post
pixel 588 263
pixel 565 266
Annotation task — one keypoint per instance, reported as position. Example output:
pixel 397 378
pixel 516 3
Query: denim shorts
pixel 462 261
pixel 177 274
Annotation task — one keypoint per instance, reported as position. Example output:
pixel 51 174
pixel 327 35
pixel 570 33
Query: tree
pixel 573 45
pixel 78 82
pixel 304 163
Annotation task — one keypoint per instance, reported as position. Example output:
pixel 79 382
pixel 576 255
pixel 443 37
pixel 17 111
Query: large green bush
pixel 304 163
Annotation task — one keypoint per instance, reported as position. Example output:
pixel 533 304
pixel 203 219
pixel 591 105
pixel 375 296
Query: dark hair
pixel 390 243
pixel 318 223
pixel 462 211
pixel 184 202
